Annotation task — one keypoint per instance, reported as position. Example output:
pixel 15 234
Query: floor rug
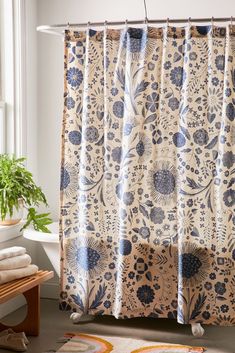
pixel 104 344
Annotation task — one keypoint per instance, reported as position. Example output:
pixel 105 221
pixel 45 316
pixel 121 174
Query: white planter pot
pixel 16 217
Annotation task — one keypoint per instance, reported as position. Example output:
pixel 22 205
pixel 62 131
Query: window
pixel 11 74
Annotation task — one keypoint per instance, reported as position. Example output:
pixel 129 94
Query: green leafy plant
pixel 16 183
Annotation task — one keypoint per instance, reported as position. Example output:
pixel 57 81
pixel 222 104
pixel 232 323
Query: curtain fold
pixel 147 225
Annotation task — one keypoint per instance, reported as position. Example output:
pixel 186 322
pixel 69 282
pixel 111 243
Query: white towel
pixel 11 252
pixel 10 275
pixel 15 262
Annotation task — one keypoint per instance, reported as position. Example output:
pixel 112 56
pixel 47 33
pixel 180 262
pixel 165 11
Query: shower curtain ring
pixel 189 21
pixel 88 25
pixel 68 25
pixel 146 20
pixel 231 20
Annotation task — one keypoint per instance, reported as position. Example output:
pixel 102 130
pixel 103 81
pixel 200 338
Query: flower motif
pixel 86 256
pixel 162 182
pixel 229 197
pixel 140 266
pixel 74 77
pixel 125 247
pixel 173 103
pixel 201 137
pixel 75 137
pixel 157 215
pixel 145 294
pixel 220 62
pixel 179 139
pixel 118 109
pixel 79 49
pixel 213 100
pixel 68 180
pixel 178 76
pixel 152 101
pixel 228 159
pixel 193 264
pixel 69 102
pixel 128 198
pixel 143 147
pixel 117 154
pixel 97 99
pixel 220 288
pixel 144 232
pixel 91 134
pixel 230 111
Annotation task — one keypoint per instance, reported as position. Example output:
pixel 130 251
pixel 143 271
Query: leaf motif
pixel 168 95
pixel 192 184
pixel 90 227
pixel 198 306
pixel 140 87
pixel 209 205
pixel 185 132
pixel 148 275
pixel 212 143
pixel 85 181
pixel 121 77
pixel 100 142
pixel 195 232
pixel 78 301
pixel 177 57
pixel 144 211
pixel 149 203
pixel 219 297
pixel 150 118
pixel 99 296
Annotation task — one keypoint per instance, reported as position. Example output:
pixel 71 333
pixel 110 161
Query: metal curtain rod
pixel 51 29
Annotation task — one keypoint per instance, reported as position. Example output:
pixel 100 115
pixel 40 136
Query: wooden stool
pixel 30 288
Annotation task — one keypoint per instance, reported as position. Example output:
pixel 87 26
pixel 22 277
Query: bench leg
pixel 31 324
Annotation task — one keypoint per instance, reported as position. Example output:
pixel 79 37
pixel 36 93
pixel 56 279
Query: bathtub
pixel 49 242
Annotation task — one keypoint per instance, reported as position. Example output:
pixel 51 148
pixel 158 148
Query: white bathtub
pixel 49 242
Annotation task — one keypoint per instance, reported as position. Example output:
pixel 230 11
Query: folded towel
pixel 10 275
pixel 15 262
pixel 10 252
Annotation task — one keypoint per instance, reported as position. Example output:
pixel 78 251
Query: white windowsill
pixel 10 232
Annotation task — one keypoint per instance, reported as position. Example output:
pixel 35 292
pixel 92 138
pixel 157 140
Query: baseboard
pixel 50 290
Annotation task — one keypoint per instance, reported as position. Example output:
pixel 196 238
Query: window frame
pixel 13 67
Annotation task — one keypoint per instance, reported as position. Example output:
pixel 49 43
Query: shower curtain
pixel 147 223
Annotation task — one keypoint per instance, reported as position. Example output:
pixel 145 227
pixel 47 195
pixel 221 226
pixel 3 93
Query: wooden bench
pixel 30 287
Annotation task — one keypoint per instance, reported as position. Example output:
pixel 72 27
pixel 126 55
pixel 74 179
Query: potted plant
pixel 18 191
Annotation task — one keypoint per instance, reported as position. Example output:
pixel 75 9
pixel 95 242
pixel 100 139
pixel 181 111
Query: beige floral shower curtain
pixel 147 177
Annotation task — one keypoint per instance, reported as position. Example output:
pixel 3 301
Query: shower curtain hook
pixel 126 24
pixel 105 25
pixel 68 25
pixel 167 22
pixel 231 20
pixel 212 22
pixel 88 26
pixel 189 21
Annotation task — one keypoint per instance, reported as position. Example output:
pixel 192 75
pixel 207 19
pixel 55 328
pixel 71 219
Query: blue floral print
pixel 147 222
pixel 74 77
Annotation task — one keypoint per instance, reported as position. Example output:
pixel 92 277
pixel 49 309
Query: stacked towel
pixel 15 263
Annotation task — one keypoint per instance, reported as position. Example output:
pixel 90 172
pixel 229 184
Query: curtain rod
pixel 52 29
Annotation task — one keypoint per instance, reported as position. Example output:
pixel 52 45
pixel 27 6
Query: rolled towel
pixel 10 275
pixel 15 262
pixel 11 252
